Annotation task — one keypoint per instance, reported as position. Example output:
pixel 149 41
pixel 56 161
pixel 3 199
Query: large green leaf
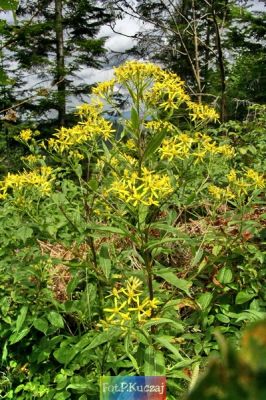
pixel 17 336
pixel 154 143
pixel 160 321
pixel 244 296
pixel 105 262
pixel 171 278
pixel 165 341
pixel 103 337
pixel 41 325
pixel 21 318
pixel 55 319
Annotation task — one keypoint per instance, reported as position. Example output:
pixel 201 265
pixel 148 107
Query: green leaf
pixel 204 300
pixel 24 233
pixel 159 369
pixel 223 318
pixel 197 258
pixel 9 5
pixel 65 354
pixel 103 337
pixel 111 229
pixel 164 341
pixel 225 275
pixel 41 325
pixel 134 117
pixel 244 296
pixel 171 278
pixel 17 336
pixel 154 143
pixel 149 361
pixel 216 249
pixel 55 319
pixel 179 327
pixel 105 262
pixel 21 318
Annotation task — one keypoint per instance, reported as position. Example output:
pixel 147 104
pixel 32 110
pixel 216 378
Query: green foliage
pixel 124 256
pixel 236 375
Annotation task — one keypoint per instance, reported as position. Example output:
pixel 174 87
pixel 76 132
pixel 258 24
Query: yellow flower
pixel 159 125
pixel 225 150
pixel 132 291
pixel 116 310
pixel 104 89
pixel 40 179
pixel 26 135
pixel 232 177
pixel 256 178
pixel 202 112
pixel 147 189
pixel 32 159
pixel 221 193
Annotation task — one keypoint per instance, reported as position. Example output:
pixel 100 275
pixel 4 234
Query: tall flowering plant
pixel 129 200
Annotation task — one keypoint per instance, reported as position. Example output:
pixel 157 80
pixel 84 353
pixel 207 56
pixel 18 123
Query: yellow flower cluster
pixel 31 159
pixel 40 179
pixel 239 184
pixel 176 147
pixel 257 180
pixel 245 182
pixel 26 135
pixel 183 145
pixel 221 193
pixel 147 189
pixel 155 126
pixel 129 305
pixel 136 71
pixel 198 111
pixel 157 88
pixel 104 89
pixel 92 126
pixel 168 92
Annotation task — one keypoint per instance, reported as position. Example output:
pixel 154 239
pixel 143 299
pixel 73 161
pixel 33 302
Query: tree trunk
pixel 60 64
pixel 220 58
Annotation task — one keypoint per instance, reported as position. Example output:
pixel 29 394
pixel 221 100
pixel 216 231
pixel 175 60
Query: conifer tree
pixel 52 41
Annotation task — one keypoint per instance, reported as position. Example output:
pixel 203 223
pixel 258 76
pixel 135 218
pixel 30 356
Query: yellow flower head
pixel 26 135
pixel 104 89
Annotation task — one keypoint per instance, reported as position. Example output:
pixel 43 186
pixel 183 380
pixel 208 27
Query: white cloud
pixel 117 42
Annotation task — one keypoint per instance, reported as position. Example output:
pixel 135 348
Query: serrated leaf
pixel 55 319
pixel 149 361
pixel 102 338
pixel 111 229
pixel 159 368
pixel 197 258
pixel 134 118
pixel 223 318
